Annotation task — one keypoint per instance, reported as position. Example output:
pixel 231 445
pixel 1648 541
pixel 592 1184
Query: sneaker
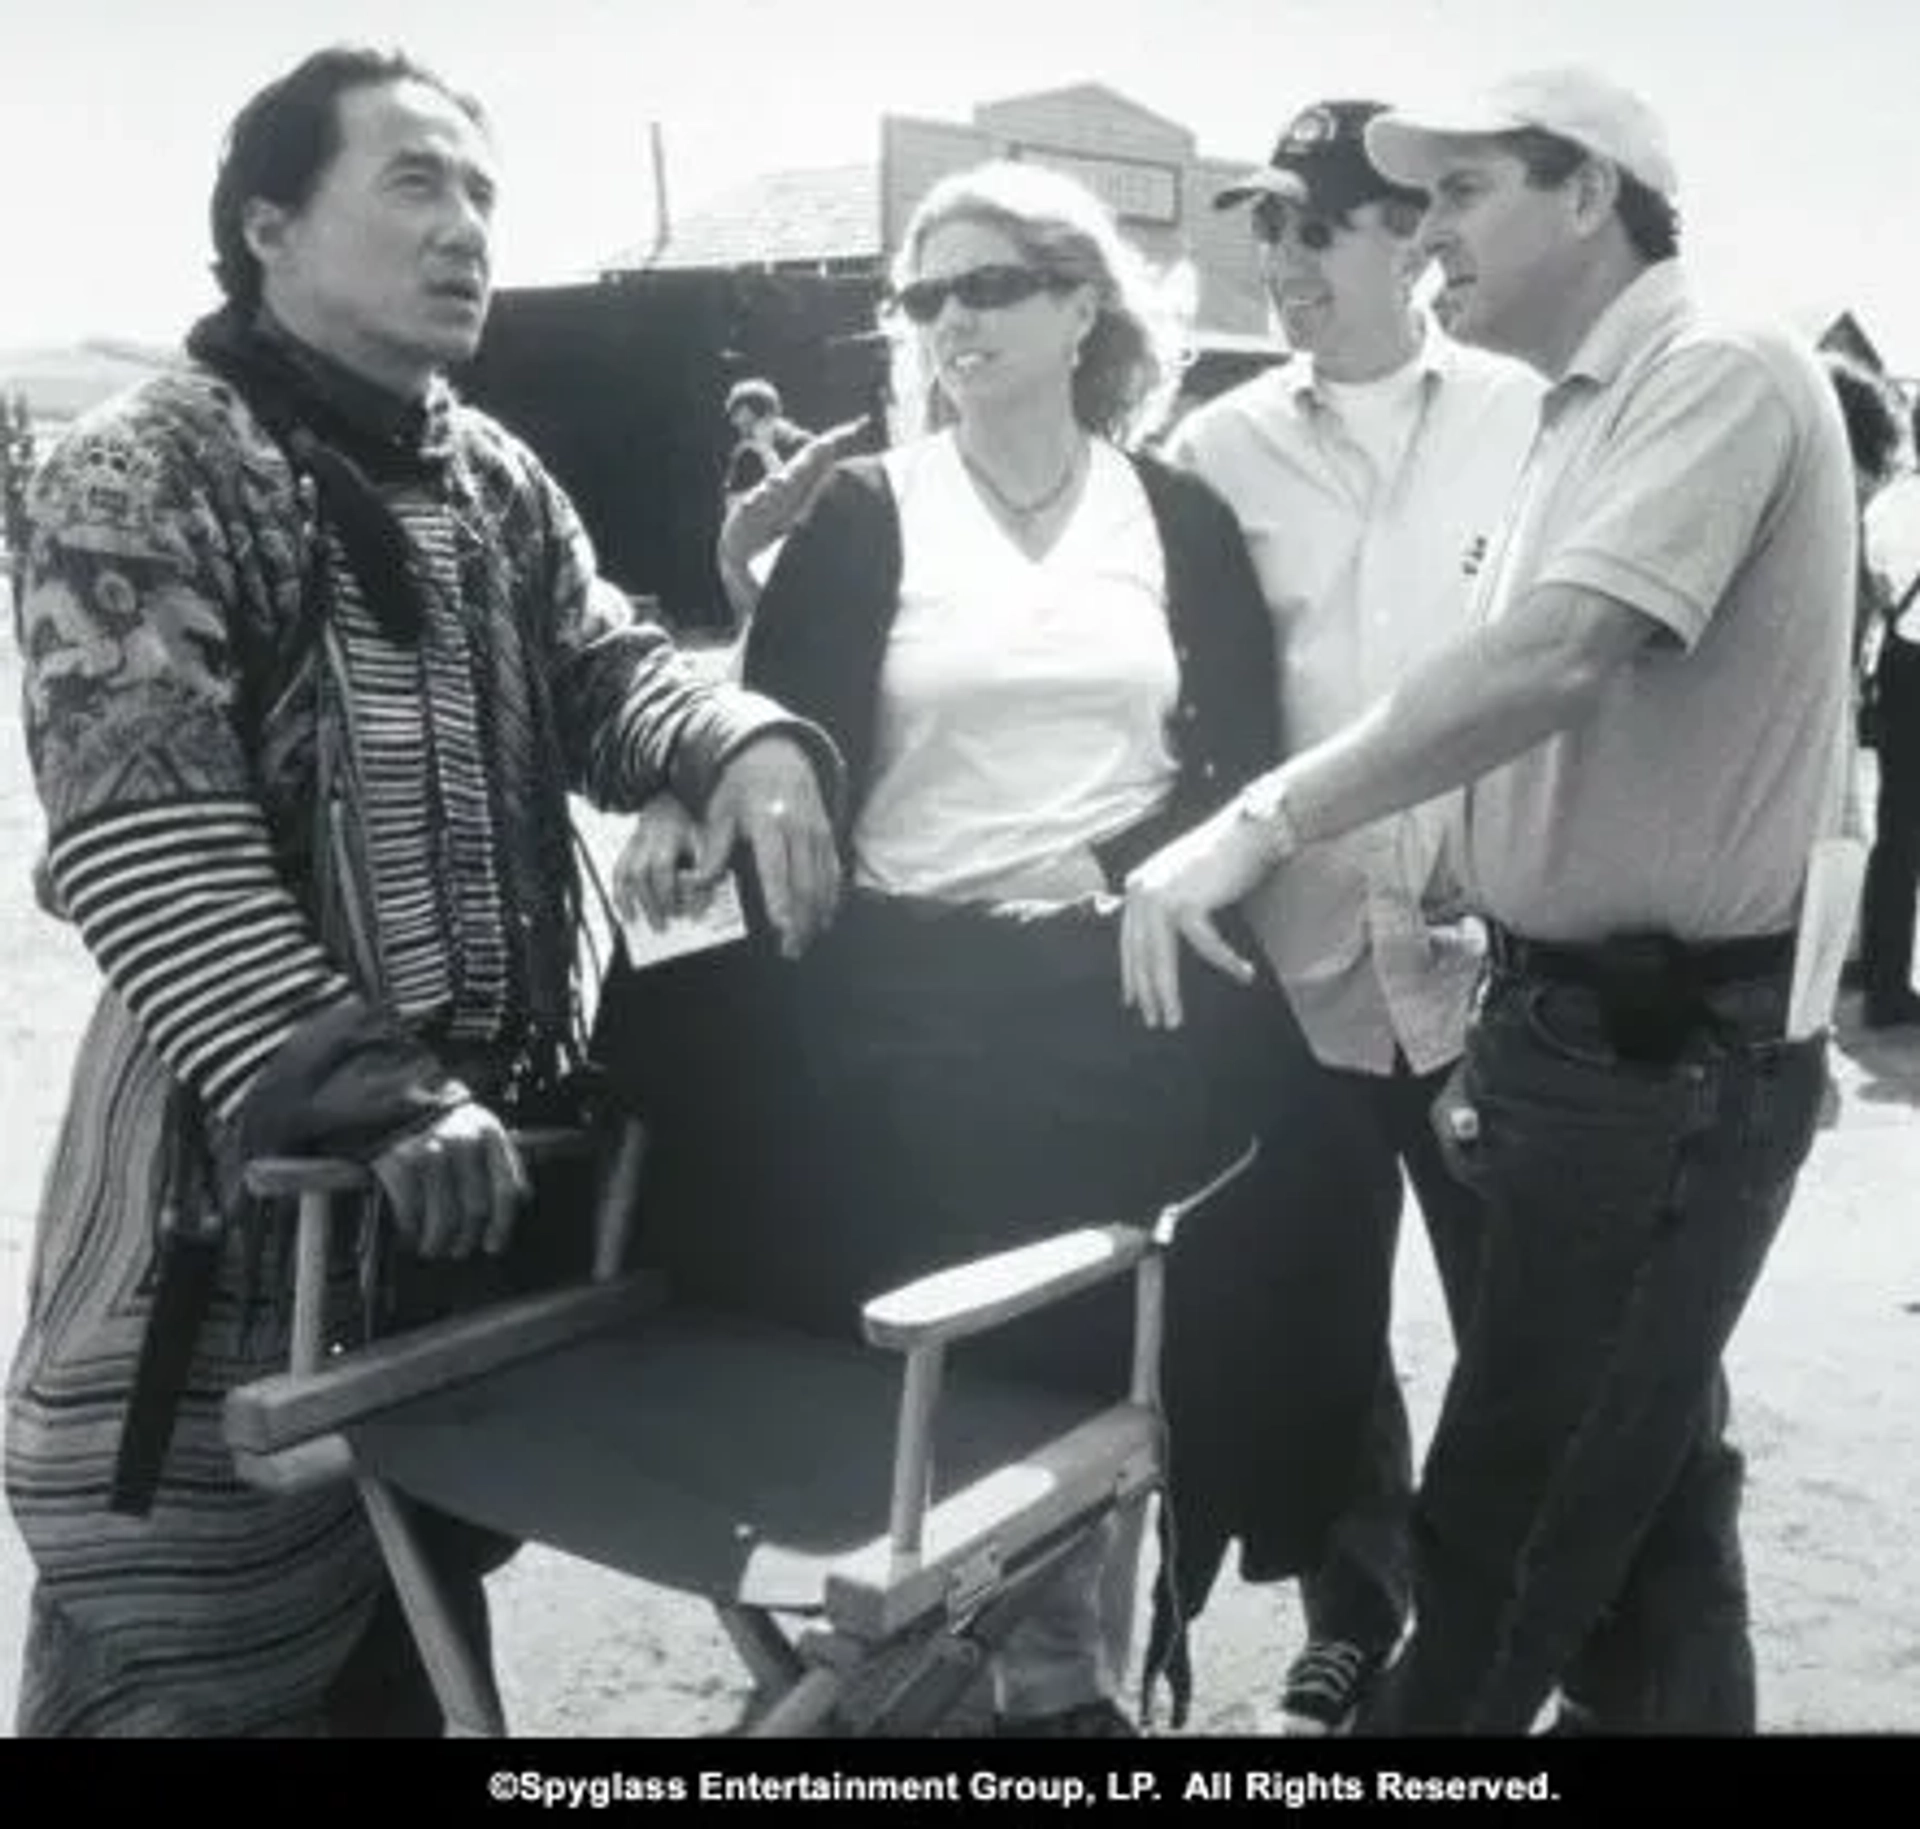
pixel 1325 1686
pixel 1101 1720
pixel 1572 1720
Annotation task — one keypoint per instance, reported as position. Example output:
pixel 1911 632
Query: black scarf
pixel 349 439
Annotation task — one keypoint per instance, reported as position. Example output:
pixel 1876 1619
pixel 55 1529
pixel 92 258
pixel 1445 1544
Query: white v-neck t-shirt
pixel 1025 704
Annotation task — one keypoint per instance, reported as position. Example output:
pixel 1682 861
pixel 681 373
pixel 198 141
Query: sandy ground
pixel 1826 1368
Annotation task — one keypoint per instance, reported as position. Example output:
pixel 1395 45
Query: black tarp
pixel 619 385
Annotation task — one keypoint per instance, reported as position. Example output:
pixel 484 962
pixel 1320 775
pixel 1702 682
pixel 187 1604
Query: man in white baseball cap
pixel 1554 123
pixel 1410 145
pixel 1649 711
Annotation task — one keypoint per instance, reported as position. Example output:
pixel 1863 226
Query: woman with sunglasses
pixel 1040 652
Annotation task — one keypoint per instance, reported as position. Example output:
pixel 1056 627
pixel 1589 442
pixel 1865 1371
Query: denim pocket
pixel 1786 1082
pixel 1564 1031
pixel 1566 1021
pixel 1561 1126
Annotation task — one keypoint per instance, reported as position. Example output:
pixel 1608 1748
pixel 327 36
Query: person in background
pixel 771 474
pixel 1890 663
pixel 765 438
pixel 758 518
pixel 1873 440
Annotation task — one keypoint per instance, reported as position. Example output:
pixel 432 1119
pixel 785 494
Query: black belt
pixel 1708 965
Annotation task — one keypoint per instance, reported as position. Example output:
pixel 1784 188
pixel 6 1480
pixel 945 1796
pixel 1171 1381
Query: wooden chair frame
pixel 906 1619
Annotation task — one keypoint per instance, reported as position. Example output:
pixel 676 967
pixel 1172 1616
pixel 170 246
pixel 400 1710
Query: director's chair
pixel 868 1518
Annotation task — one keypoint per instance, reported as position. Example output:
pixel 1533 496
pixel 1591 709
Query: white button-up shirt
pixel 1366 571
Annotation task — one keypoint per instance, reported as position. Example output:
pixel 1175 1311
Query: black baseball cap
pixel 1321 163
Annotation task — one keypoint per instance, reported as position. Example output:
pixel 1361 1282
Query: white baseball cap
pixel 1608 121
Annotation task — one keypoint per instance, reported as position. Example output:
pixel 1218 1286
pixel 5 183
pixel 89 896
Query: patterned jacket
pixel 317 864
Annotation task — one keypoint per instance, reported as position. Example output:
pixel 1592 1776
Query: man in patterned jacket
pixel 313 654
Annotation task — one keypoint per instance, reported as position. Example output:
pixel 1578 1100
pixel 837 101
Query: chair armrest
pixel 279 1411
pixel 286 1176
pixel 315 1182
pixel 920 1318
pixel 988 1291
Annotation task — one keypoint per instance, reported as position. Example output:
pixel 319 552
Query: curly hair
pixel 1132 355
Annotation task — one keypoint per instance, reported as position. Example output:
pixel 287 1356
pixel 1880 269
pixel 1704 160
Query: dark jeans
pixel 1893 868
pixel 1361 1589
pixel 1577 1520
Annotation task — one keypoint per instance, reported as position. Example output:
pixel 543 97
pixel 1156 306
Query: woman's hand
pixel 653 875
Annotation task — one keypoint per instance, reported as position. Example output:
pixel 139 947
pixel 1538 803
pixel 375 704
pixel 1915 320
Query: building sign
pixel 1133 189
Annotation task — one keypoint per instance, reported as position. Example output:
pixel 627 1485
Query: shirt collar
pixel 1638 316
pixel 1436 360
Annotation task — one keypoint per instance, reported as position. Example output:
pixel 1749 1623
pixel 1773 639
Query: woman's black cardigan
pixel 819 637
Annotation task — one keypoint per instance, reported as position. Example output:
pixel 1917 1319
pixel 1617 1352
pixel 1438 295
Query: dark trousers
pixel 1361 1588
pixel 1577 1519
pixel 1893 867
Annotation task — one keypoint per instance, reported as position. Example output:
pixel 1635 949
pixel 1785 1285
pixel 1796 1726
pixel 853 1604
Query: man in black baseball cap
pixel 1321 164
pixel 1339 255
pixel 1368 474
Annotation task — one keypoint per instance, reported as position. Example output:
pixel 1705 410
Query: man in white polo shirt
pixel 1651 717
pixel 1368 472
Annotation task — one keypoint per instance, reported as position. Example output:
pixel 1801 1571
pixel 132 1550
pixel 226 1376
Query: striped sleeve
pixel 185 909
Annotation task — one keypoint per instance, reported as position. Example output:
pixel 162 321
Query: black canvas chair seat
pixel 696 1451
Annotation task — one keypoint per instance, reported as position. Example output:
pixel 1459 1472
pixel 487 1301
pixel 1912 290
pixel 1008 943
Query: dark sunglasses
pixel 1315 233
pixel 991 288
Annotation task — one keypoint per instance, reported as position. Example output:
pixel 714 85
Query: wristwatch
pixel 1262 804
